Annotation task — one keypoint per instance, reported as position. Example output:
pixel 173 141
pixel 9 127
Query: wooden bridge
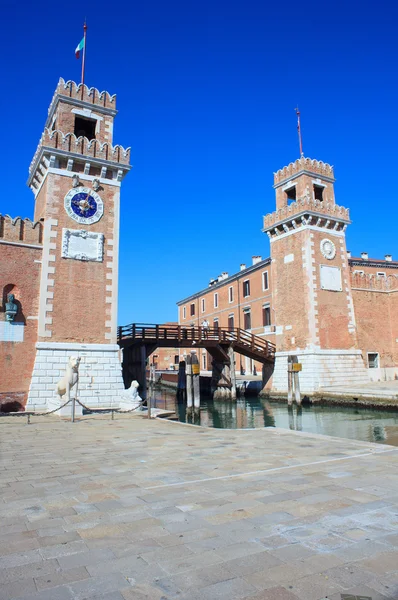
pixel 216 340
pixel 139 340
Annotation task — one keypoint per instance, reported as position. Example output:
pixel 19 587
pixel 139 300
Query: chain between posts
pixel 50 412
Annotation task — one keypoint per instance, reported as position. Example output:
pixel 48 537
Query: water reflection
pixel 246 413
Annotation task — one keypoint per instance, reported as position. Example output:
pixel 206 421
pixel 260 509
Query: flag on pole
pixel 80 47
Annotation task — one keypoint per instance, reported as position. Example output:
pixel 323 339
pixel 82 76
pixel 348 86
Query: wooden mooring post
pixel 293 381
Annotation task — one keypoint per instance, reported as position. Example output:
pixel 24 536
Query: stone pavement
pixel 133 509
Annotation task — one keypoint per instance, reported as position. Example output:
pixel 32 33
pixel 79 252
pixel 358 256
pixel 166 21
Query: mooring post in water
pixel 289 380
pixel 182 379
pixel 188 370
pixel 296 368
pixel 195 379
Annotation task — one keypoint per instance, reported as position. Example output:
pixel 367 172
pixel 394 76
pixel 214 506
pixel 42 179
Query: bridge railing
pixel 179 334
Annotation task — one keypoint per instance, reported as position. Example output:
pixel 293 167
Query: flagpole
pixel 84 52
pixel 299 131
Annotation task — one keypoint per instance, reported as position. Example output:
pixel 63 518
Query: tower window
pixel 85 127
pixel 318 192
pixel 291 194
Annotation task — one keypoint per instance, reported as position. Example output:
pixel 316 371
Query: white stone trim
pixel 114 264
pixel 306 228
pixel 24 245
pixel 45 281
pixel 82 177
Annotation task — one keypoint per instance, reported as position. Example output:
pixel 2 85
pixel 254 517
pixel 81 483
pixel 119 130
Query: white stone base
pixel 100 375
pixel 321 368
pixel 383 374
pixel 66 411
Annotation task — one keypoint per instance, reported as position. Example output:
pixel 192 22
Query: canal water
pixel 368 425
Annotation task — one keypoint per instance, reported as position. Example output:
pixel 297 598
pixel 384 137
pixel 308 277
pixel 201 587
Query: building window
pixel 215 300
pixel 85 127
pixel 373 360
pixel 231 293
pixel 291 194
pixel 231 322
pixel 176 359
pixel 203 305
pixel 265 280
pixel 318 192
pixel 215 324
pixel 192 310
pixel 357 272
pixel 184 312
pixel 266 315
pixel 381 274
pixel 246 288
pixel 247 319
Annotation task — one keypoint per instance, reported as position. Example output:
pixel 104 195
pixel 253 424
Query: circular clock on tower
pixel 84 205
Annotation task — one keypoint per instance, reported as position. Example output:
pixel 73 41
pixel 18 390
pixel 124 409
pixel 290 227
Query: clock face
pixel 84 205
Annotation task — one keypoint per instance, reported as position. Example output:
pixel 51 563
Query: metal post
pixel 148 404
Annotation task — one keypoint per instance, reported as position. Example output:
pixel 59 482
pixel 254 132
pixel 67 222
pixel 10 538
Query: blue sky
pixel 206 95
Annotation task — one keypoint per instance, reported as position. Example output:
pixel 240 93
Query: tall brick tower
pixel 76 175
pixel 312 299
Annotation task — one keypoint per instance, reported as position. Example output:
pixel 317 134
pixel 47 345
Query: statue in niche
pixel 75 180
pixel 96 184
pixel 11 308
pixel 70 378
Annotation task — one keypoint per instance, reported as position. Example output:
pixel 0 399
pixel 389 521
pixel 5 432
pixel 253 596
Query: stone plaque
pixel 11 332
pixel 331 278
pixel 80 244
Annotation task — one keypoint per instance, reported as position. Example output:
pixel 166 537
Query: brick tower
pixel 312 299
pixel 76 175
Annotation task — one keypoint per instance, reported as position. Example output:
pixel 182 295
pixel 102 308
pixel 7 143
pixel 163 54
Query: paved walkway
pixel 133 509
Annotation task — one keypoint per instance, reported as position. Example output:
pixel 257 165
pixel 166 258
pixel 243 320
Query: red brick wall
pixel 79 305
pixel 18 267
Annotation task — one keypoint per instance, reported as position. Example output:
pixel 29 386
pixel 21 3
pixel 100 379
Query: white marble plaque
pixel 80 244
pixel 331 278
pixel 11 331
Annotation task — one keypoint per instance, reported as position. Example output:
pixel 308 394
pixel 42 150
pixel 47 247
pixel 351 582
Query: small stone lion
pixel 70 378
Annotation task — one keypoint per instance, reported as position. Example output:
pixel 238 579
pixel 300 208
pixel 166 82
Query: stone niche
pixel 80 244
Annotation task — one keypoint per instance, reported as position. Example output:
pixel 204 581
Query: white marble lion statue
pixel 70 378
pixel 130 398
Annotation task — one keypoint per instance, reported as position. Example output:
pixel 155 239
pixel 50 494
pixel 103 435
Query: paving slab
pixel 137 509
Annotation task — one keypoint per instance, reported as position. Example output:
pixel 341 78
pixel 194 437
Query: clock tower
pixel 312 297
pixel 76 175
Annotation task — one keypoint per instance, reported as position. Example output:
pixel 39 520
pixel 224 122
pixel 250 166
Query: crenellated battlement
pixel 82 92
pixel 375 283
pixel 68 142
pixel 303 205
pixel 20 230
pixel 303 164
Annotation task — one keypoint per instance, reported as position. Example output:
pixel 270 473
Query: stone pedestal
pixel 321 368
pixel 100 375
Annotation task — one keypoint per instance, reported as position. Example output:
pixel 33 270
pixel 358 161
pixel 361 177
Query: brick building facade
pixel 63 267
pixel 337 313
